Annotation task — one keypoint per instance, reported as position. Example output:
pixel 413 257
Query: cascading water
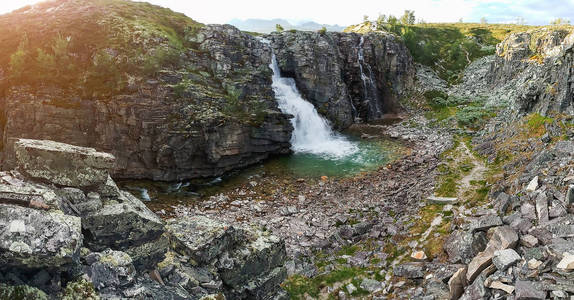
pixel 312 133
pixel 370 93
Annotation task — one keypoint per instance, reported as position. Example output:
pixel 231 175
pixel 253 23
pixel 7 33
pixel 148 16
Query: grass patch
pixel 536 124
pixel 298 286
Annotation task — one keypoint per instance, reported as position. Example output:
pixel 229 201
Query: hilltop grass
pixel 126 40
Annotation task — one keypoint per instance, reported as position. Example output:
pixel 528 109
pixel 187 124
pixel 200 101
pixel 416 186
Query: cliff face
pixel 174 99
pixel 539 65
pixel 346 75
pixel 205 108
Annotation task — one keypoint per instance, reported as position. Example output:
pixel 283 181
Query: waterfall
pixel 370 93
pixel 312 133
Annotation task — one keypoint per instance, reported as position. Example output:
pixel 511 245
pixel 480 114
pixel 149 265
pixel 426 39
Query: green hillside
pixel 97 46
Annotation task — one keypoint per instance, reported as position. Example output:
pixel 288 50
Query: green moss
pixel 80 289
pixel 21 292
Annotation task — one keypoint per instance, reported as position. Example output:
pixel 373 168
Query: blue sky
pixel 536 12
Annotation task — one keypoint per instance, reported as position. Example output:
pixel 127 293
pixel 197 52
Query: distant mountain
pixel 267 26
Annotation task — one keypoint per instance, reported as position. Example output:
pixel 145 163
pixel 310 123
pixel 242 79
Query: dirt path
pixel 477 173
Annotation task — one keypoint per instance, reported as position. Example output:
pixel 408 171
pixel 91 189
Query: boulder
pixel 62 164
pixel 457 283
pixel 505 258
pixel 15 191
pixel 502 237
pixel 261 253
pixel 201 238
pixel 526 290
pixel 126 226
pixel 567 262
pixel 409 270
pixel 110 270
pixel 462 246
pixel 38 239
pixel 485 222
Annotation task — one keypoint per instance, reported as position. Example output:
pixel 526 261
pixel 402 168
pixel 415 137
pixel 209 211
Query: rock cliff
pixel 178 100
pixel 530 72
pixel 69 232
pixel 346 75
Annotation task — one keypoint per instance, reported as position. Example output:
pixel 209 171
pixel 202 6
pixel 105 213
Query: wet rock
pixel 505 258
pixel 462 246
pixel 526 290
pixel 201 238
pixel 37 239
pixel 62 164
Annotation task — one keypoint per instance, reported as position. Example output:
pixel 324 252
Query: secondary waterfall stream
pixel 370 93
pixel 312 133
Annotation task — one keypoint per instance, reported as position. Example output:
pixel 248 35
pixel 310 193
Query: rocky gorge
pixel 478 205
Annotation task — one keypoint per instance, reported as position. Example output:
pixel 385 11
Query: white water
pixel 369 89
pixel 312 133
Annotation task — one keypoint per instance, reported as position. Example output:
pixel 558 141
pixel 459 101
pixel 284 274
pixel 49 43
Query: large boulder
pixel 33 238
pixel 201 238
pixel 127 226
pixel 62 164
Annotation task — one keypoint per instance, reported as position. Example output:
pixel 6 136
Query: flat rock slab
pixel 38 239
pixel 485 222
pixel 201 238
pixel 62 164
pixel 442 200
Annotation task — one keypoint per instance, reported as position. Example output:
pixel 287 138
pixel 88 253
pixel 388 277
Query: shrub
pixel 473 116
pixel 323 30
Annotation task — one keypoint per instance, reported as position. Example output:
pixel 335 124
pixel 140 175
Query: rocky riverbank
pixel 69 232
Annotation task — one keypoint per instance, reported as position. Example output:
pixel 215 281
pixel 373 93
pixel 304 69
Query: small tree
pixel 408 17
pixel 323 30
pixel 365 19
pixel 560 21
pixel 20 58
pixel 279 28
pixel 381 21
pixel 483 20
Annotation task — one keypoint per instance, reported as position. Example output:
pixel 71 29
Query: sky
pixel 535 12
